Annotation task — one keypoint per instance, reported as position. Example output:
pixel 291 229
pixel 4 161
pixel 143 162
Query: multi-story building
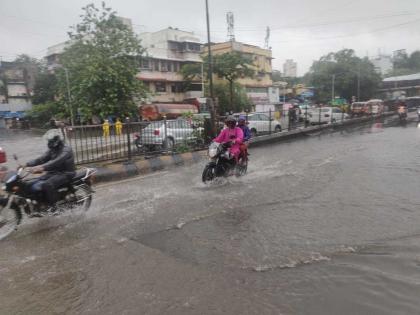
pixel 167 51
pixel 290 68
pixel 16 85
pixel 383 64
pixel 260 87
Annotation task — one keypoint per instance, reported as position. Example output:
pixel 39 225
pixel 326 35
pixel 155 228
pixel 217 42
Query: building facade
pixel 167 51
pixel 383 64
pixel 290 68
pixel 16 85
pixel 260 88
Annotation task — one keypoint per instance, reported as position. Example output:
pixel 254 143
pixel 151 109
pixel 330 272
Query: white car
pixel 259 123
pixel 177 131
pixel 325 115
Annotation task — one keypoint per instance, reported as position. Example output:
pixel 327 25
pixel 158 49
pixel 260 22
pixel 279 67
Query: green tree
pixel 222 91
pixel 102 63
pixel 405 64
pixel 346 67
pixel 45 89
pixel 232 66
pixel 191 72
pixel 277 76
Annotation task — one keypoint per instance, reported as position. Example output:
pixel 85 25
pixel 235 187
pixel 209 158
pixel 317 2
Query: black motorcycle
pixel 222 164
pixel 403 117
pixel 20 199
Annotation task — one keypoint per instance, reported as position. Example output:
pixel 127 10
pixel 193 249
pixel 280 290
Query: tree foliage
pixel 45 89
pixel 346 67
pixel 102 62
pixel 190 72
pixel 232 66
pixel 405 64
pixel 241 101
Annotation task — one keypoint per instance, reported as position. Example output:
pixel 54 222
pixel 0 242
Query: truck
pixel 158 111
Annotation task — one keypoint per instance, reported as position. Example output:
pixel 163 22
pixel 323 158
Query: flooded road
pixel 328 224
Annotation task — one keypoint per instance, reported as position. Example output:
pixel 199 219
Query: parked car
pixel 325 115
pixel 259 123
pixel 153 137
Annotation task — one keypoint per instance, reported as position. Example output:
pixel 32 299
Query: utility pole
pixel 69 96
pixel 332 89
pixel 210 73
pixel 209 51
pixel 358 83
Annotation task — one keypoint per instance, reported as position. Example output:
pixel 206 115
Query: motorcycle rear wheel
pixel 9 220
pixel 208 174
pixel 83 197
pixel 242 167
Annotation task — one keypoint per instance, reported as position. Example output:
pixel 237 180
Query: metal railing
pixel 95 143
pixel 123 141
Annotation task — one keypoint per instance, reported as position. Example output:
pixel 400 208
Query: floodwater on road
pixel 327 224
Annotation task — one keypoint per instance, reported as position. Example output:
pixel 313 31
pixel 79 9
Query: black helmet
pixel 54 139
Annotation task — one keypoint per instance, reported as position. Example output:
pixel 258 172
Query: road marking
pixel 136 178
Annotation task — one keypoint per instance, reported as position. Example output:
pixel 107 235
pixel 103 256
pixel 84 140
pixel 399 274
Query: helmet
pixel 242 118
pixel 54 139
pixel 230 121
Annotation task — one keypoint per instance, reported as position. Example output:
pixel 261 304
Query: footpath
pixel 122 170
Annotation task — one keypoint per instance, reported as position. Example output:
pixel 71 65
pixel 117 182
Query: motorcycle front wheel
pixel 9 219
pixel 208 174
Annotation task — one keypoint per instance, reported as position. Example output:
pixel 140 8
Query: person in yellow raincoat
pixel 105 128
pixel 118 127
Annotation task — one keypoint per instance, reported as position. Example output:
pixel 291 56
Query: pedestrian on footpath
pixel 118 127
pixel 105 128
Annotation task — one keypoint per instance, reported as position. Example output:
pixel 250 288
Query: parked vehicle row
pixel 324 115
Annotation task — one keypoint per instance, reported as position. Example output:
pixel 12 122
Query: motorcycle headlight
pixel 212 152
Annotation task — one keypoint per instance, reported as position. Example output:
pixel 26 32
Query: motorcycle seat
pixel 79 175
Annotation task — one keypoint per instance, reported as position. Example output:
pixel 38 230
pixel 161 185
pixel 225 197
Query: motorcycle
pixel 403 117
pixel 418 114
pixel 19 199
pixel 222 164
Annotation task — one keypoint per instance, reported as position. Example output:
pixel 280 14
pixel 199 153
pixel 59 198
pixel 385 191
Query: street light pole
pixel 69 96
pixel 358 83
pixel 332 89
pixel 209 52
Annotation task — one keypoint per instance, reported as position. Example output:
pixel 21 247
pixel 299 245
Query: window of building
pixel 163 65
pixel 156 65
pixel 160 87
pixel 145 63
pixel 177 87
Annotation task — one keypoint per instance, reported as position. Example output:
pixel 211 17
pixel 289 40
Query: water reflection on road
pixel 328 224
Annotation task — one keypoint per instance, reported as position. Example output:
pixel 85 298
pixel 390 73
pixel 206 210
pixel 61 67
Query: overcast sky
pixel 302 30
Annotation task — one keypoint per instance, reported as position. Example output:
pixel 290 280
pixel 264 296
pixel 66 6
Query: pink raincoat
pixel 234 134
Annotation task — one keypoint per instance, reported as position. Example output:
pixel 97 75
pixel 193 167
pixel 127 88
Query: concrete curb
pixel 127 169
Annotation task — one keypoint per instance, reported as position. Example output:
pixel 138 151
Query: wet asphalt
pixel 325 224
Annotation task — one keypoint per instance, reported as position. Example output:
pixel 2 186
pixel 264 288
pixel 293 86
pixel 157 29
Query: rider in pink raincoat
pixel 233 134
